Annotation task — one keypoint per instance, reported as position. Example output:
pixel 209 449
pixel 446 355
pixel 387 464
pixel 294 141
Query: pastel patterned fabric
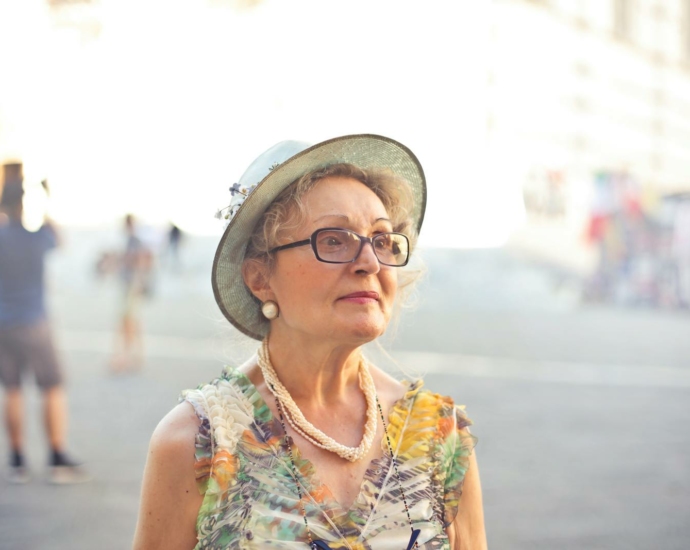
pixel 250 496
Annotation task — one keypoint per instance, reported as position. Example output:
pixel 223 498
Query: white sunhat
pixel 261 184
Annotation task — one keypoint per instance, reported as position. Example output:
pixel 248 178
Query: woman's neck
pixel 319 372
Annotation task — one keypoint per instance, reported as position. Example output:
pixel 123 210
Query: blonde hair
pixel 288 211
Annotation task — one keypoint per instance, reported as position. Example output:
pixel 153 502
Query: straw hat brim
pixel 366 151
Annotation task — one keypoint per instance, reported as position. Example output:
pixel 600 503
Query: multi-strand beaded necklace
pixel 305 428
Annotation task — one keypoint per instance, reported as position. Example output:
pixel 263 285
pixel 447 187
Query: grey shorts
pixel 29 348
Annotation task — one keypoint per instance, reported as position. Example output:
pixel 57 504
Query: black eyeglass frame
pixel 362 241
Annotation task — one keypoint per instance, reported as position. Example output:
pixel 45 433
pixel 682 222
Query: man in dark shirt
pixel 25 334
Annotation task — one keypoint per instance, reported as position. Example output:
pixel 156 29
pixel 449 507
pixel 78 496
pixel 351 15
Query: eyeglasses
pixel 334 245
pixel 320 545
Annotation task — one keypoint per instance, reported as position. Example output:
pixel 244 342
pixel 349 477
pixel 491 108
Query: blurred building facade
pixel 591 85
pixel 589 100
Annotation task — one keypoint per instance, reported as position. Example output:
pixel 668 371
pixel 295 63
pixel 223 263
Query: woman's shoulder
pixel 169 504
pixel 175 433
pixel 388 389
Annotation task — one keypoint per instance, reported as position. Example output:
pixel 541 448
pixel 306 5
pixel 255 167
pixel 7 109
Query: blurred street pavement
pixel 581 412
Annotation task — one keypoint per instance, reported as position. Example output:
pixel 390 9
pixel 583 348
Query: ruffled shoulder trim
pixel 203 444
pixel 260 409
pixel 225 413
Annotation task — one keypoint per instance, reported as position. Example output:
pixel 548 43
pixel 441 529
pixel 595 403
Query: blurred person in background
pixel 26 342
pixel 172 251
pixel 308 444
pixel 135 266
pixel 681 250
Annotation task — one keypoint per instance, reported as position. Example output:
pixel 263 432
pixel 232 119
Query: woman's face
pixel 320 299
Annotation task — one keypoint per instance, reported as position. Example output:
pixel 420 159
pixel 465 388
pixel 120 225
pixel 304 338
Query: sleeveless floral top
pixel 250 496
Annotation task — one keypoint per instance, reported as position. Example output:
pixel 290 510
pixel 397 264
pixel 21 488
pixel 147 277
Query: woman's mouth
pixel 363 297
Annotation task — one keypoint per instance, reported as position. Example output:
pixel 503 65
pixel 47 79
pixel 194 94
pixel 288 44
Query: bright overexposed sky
pixel 156 107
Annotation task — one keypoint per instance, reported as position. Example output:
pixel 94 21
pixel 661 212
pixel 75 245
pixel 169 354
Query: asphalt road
pixel 581 414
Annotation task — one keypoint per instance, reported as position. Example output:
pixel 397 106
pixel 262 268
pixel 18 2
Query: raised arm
pixel 467 531
pixel 170 500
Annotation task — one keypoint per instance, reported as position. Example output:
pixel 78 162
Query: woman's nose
pixel 367 260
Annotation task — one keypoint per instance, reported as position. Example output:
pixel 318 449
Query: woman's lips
pixel 366 297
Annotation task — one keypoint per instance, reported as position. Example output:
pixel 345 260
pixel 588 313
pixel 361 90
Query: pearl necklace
pixel 305 428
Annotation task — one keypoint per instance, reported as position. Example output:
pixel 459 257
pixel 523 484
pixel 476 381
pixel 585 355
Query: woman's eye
pixel 330 240
pixel 383 243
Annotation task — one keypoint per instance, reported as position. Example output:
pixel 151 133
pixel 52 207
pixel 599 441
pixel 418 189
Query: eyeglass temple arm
pixel 291 245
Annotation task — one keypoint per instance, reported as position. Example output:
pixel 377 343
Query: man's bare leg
pixel 14 418
pixel 63 468
pixel 55 417
pixel 14 422
pixel 134 343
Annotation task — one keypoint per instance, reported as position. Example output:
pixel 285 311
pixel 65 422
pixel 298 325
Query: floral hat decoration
pixel 261 184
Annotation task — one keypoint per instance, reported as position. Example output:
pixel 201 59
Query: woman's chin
pixel 367 330
pixel 352 329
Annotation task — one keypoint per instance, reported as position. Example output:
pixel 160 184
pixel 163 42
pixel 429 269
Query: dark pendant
pixel 413 538
pixel 319 545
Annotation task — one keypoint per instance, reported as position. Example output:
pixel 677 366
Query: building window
pixel 622 18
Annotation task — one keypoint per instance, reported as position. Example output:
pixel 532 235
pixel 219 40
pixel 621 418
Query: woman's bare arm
pixel 467 531
pixel 170 500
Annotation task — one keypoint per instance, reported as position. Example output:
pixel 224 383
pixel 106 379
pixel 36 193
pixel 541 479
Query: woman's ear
pixel 256 276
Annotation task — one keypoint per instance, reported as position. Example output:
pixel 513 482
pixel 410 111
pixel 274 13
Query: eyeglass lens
pixel 341 245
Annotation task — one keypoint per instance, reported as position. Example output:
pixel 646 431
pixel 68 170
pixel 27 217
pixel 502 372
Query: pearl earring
pixel 270 309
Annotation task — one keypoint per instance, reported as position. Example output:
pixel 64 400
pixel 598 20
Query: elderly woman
pixel 307 443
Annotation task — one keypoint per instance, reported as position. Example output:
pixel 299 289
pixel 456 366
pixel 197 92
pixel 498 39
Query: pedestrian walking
pixel 135 265
pixel 172 251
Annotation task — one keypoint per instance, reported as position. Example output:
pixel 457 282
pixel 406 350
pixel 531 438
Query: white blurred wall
pixel 156 107
pixel 577 87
